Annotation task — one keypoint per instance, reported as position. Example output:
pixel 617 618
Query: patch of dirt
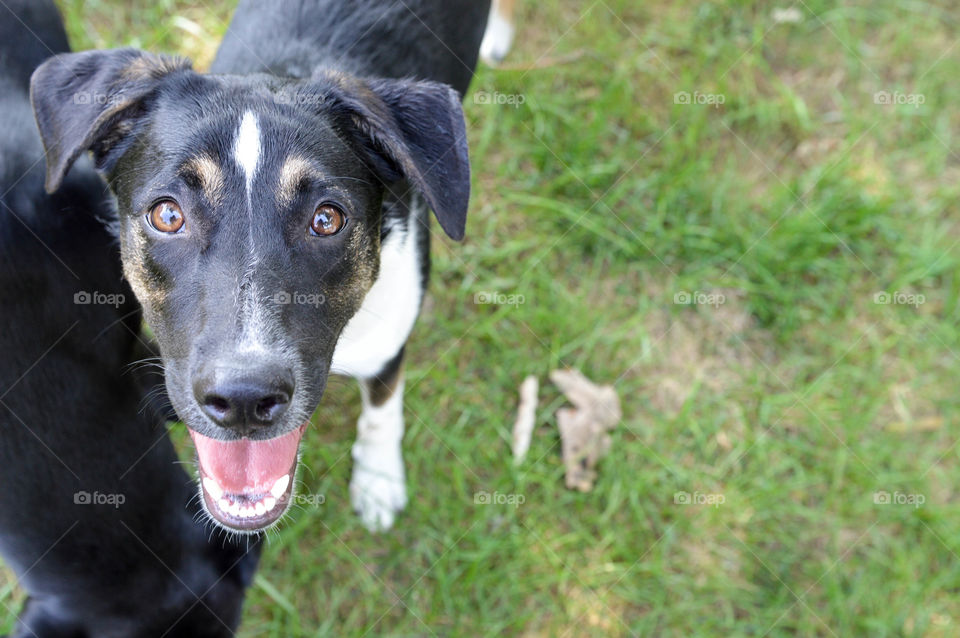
pixel 711 347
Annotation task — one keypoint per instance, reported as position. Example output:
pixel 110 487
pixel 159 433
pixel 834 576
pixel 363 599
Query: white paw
pixel 496 39
pixel 378 489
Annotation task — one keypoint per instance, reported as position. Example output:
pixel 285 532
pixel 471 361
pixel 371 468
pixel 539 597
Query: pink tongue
pixel 247 466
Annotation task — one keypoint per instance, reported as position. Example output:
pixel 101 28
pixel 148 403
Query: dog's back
pixel 420 39
pixel 30 33
pixel 94 512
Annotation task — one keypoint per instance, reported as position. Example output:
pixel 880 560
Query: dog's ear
pixel 94 101
pixel 415 130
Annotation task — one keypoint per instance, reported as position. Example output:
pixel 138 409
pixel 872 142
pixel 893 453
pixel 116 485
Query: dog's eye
pixel 327 220
pixel 166 216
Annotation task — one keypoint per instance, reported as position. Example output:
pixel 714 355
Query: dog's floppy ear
pixel 411 129
pixel 93 101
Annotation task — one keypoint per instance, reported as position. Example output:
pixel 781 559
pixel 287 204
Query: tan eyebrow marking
pixel 208 172
pixel 295 169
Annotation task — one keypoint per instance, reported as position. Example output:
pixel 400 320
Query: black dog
pixel 96 517
pixel 273 220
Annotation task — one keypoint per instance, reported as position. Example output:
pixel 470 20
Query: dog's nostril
pixel 217 405
pixel 269 407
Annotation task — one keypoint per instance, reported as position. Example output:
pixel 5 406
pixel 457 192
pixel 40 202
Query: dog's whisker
pixel 146 361
pixel 149 399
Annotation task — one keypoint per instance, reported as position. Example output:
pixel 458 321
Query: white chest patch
pixel 380 328
pixel 246 148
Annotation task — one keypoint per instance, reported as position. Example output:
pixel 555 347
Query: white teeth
pixel 280 486
pixel 213 489
pixel 236 509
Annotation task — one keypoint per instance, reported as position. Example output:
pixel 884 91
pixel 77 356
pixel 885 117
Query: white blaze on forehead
pixel 246 148
pixel 251 304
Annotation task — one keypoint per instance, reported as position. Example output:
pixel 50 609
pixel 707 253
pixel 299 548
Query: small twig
pixel 526 417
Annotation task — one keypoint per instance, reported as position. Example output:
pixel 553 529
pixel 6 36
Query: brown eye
pixel 166 216
pixel 327 220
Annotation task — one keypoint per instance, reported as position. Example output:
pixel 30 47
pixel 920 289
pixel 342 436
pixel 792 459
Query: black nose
pixel 244 396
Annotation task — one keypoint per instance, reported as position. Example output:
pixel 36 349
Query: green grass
pixel 599 199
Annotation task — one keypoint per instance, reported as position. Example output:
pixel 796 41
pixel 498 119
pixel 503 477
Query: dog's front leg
pixel 378 488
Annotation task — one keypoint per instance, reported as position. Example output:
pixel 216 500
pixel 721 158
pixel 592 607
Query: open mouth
pixel 247 485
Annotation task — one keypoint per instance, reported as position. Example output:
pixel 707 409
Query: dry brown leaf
pixel 584 428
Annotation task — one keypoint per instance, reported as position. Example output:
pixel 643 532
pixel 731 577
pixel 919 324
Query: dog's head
pixel 236 194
